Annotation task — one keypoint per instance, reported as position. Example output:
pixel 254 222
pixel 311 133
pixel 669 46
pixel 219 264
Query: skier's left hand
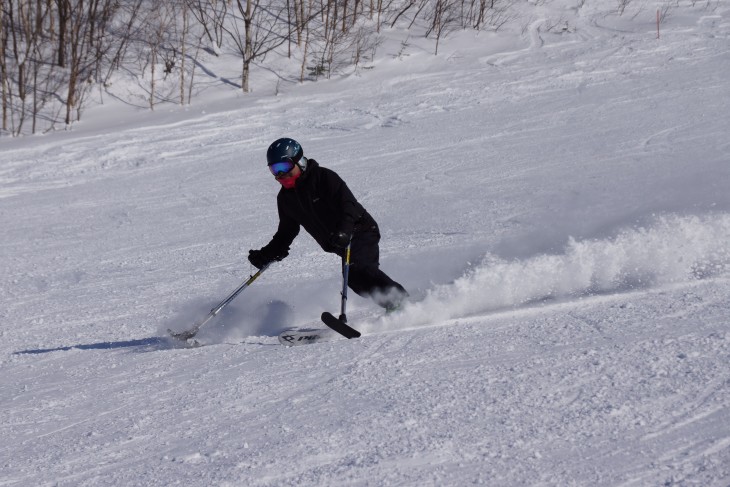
pixel 340 239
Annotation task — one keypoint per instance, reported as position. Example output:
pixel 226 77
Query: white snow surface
pixel 557 202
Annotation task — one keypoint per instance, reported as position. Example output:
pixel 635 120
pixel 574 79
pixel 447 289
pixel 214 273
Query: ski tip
pixel 184 339
pixel 182 335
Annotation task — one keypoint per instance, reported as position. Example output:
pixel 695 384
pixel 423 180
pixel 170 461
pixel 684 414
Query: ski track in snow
pixel 556 202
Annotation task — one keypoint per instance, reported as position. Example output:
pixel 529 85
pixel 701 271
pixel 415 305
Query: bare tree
pixel 23 65
pixel 85 29
pixel 622 5
pixel 443 18
pixel 4 72
pixel 421 4
pixel 53 51
pixel 257 32
pixel 159 25
pixel 130 27
pixel 64 12
pixel 305 51
pixel 475 15
pixel 183 50
pixel 211 16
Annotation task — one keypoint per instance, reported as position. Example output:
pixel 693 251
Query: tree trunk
pixel 248 48
pixel 182 52
pixel 63 14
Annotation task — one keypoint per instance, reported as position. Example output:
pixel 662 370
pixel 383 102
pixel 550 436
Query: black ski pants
pixel 365 277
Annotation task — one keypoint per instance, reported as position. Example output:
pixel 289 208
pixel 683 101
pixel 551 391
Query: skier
pixel 317 199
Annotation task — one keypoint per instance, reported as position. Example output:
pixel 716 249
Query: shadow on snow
pixel 144 344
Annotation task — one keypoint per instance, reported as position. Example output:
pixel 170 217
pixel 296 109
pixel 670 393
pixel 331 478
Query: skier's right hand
pixel 259 258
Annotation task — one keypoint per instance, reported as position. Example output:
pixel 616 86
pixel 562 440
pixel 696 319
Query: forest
pixel 55 53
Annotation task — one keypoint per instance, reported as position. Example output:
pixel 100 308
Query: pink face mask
pixel 289 182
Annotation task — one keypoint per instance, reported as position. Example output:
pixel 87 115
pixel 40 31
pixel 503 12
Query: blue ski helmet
pixel 286 149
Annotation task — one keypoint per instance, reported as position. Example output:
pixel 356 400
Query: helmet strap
pixel 302 163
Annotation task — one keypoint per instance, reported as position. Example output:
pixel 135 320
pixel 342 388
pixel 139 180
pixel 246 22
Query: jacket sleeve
pixel 285 234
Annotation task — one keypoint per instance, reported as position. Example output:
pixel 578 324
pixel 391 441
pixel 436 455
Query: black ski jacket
pixel 322 203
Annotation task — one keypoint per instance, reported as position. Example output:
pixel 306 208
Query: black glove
pixel 259 258
pixel 340 239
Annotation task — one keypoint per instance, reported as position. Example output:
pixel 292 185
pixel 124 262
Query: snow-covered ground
pixel 556 201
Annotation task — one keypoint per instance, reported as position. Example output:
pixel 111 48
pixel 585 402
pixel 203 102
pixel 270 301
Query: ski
pixel 187 335
pixel 185 343
pixel 295 337
pixel 339 326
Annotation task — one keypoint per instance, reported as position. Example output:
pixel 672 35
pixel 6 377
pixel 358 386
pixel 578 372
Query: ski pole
pixel 185 335
pixel 345 279
pixel 340 325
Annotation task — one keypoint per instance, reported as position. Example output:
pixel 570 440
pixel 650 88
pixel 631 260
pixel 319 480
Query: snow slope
pixel 557 202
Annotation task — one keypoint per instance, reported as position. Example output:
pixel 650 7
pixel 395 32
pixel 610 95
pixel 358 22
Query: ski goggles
pixel 278 169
